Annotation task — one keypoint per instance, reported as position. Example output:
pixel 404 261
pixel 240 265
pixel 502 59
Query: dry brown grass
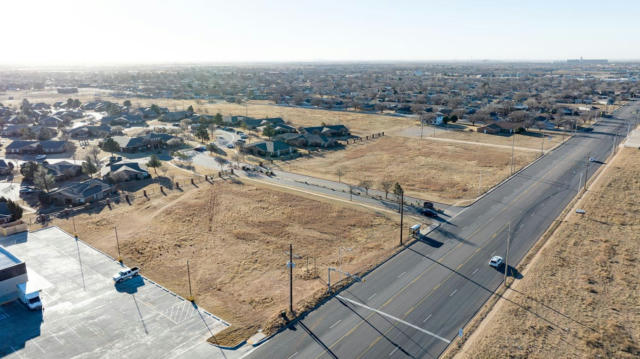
pixel 238 268
pixel 582 291
pixel 440 171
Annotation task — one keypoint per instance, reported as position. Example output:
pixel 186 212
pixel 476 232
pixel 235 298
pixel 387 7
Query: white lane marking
pixel 393 351
pixel 454 292
pixel 292 355
pixel 396 319
pixel 427 318
pixel 371 297
pixel 475 271
pixel 334 324
pixel 401 274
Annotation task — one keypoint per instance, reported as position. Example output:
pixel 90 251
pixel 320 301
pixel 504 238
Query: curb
pixel 229 348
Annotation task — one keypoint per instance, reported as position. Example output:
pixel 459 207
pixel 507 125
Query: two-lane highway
pixel 438 284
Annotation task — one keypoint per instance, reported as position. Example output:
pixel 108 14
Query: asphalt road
pixel 439 283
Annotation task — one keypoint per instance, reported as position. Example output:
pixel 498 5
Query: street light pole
pixel 117 244
pixel 290 265
pixel 506 257
pixel 401 215
pixel 586 172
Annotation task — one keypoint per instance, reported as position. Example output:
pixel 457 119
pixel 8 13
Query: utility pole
pixel 75 232
pixel 506 257
pixel 117 244
pixel 290 265
pixel 189 278
pixel 401 215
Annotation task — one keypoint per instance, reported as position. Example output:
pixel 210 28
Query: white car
pixel 496 261
pixel 126 274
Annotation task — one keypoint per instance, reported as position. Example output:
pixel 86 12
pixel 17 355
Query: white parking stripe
pixel 475 271
pixel 371 297
pixel 292 355
pixel 454 292
pixel 334 324
pixel 427 318
pixel 393 351
pixel 401 274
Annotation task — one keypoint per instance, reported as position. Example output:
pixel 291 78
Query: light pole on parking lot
pixel 190 298
pixel 117 244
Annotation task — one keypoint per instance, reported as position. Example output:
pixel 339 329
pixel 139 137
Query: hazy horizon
pixel 103 33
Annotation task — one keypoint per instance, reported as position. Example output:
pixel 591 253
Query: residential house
pixel 22 147
pixel 63 170
pixel 120 170
pixel 329 130
pixel 87 191
pixel 143 143
pixel 269 148
pixel 50 121
pixel 502 127
pixel 89 131
pixel 15 130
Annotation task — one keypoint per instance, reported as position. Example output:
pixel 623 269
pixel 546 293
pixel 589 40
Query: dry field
pixel 581 293
pixel 439 171
pixel 525 142
pixel 238 247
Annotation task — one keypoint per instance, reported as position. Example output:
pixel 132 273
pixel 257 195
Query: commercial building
pixel 13 271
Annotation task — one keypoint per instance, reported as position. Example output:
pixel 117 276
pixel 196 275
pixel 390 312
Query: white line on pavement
pixel 401 274
pixel 427 318
pixel 396 319
pixel 475 271
pixel 454 292
pixel 334 324
pixel 371 297
pixel 393 351
pixel 292 355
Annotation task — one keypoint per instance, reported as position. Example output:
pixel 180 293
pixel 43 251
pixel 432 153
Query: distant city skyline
pixel 66 32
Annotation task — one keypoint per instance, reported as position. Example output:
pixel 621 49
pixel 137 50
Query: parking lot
pixel 86 315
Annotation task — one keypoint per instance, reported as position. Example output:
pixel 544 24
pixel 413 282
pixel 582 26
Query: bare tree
pixel 94 151
pixel 386 187
pixel 366 184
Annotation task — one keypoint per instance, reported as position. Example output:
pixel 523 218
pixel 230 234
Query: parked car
pixel 126 274
pixel 230 145
pixel 28 189
pixel 244 137
pixel 200 149
pixel 175 124
pixel 496 261
pixel 41 157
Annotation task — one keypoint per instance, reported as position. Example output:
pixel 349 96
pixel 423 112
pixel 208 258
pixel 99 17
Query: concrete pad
pixel 86 315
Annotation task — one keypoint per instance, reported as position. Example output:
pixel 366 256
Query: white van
pixel 29 294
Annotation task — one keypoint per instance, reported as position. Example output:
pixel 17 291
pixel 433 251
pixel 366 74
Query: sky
pixel 65 32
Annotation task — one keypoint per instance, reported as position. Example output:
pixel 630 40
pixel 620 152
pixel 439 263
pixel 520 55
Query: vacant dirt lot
pixel 579 298
pixel 440 171
pixel 238 246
